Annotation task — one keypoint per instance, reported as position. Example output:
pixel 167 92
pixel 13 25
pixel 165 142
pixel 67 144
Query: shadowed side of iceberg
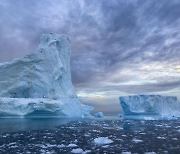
pixel 28 107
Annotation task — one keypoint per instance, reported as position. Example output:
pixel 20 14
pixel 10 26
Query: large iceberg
pixel 41 82
pixel 164 106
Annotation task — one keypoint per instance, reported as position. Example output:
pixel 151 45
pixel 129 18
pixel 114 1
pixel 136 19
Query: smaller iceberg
pixel 150 105
pixel 99 115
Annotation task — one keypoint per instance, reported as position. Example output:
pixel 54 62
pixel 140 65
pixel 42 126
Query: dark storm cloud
pixel 147 87
pixel 107 37
pixel 134 88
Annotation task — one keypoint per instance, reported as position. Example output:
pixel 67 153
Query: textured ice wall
pixel 150 105
pixel 42 74
pixel 70 107
pixel 45 73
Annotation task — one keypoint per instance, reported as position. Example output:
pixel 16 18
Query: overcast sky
pixel 119 47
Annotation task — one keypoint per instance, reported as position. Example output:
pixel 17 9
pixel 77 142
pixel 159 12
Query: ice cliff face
pixel 45 73
pixel 150 105
pixel 42 74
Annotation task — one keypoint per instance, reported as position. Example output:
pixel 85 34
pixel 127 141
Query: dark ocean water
pixel 59 135
pixel 13 124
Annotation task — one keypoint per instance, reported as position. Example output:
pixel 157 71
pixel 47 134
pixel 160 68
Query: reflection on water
pixel 31 123
pixel 14 124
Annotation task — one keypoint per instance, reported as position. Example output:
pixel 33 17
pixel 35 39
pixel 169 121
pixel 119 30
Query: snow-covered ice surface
pixel 126 136
pixel 147 105
pixel 41 82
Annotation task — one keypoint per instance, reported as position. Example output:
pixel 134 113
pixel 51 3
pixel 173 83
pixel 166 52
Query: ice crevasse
pixel 40 83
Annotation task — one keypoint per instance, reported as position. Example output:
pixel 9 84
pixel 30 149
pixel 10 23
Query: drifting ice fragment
pixel 102 140
pixel 99 115
pixel 78 150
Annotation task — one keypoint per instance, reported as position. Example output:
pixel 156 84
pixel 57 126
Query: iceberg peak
pixel 48 39
pixel 43 74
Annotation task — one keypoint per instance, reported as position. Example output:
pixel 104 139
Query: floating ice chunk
pixel 61 146
pixel 159 125
pixel 87 135
pixel 105 146
pixel 149 118
pixel 78 150
pixel 137 140
pixel 159 137
pixel 72 145
pixel 87 151
pixel 102 140
pixel 99 115
pixel 51 145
